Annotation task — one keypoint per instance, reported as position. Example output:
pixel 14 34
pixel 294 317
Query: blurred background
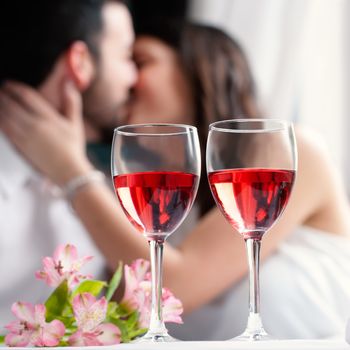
pixel 298 50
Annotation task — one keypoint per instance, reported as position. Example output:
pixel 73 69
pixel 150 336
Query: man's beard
pixel 97 112
pixel 101 112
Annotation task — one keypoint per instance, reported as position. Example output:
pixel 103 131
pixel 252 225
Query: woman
pixel 196 74
pixel 211 80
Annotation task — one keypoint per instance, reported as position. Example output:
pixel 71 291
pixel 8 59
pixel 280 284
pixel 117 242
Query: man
pixel 83 45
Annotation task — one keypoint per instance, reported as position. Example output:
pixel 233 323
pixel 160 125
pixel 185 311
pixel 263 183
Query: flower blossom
pixel 134 275
pixel 31 329
pixel 64 264
pixel 138 295
pixel 172 307
pixel 89 314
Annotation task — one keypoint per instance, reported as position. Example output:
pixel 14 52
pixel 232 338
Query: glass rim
pixel 283 125
pixel 186 128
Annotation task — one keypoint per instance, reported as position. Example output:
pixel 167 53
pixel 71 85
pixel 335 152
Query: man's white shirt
pixel 34 220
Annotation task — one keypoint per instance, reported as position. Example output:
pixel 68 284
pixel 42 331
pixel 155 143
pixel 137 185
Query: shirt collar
pixel 15 171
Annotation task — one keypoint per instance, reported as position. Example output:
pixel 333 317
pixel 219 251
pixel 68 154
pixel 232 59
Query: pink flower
pixel 138 296
pixel 31 328
pixel 143 296
pixel 134 275
pixel 64 265
pixel 172 307
pixel 89 314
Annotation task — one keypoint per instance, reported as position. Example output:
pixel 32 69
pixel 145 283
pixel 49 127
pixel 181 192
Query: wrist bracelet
pixel 70 189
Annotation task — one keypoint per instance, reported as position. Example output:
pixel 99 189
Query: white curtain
pixel 299 52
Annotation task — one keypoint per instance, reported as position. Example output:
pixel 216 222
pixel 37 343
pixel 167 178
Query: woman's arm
pixel 212 257
pixel 322 181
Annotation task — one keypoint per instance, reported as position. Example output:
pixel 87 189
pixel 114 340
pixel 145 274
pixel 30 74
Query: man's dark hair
pixel 34 33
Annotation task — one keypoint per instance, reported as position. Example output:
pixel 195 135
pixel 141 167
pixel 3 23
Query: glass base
pixel 248 335
pixel 151 337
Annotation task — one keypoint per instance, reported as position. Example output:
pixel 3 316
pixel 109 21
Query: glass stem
pixel 254 327
pixel 157 325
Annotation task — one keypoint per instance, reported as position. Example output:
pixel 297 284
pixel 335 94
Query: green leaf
pixel 132 320
pixel 89 286
pixel 114 282
pixel 63 343
pixel 112 309
pixel 121 324
pixel 2 339
pixel 122 311
pixel 118 311
pixel 68 321
pixel 57 301
pixel 137 333
pixel 128 326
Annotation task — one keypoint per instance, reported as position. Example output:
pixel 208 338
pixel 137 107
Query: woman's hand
pixel 53 143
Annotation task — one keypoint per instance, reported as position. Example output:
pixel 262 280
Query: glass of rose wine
pixel 251 166
pixel 156 171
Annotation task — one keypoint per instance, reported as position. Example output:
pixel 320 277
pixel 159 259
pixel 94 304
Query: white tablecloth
pixel 262 345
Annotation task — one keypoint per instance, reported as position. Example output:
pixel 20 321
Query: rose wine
pixel 252 199
pixel 156 202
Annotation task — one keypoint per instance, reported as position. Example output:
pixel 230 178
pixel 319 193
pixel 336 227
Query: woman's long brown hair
pixel 219 75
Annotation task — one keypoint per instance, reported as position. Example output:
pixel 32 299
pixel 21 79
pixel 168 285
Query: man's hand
pixel 53 143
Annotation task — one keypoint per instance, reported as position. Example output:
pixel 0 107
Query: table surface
pixel 261 345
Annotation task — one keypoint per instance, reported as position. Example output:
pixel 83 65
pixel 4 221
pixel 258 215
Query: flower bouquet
pixel 81 312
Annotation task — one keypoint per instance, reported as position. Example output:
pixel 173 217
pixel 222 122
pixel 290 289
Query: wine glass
pixel 156 171
pixel 251 165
